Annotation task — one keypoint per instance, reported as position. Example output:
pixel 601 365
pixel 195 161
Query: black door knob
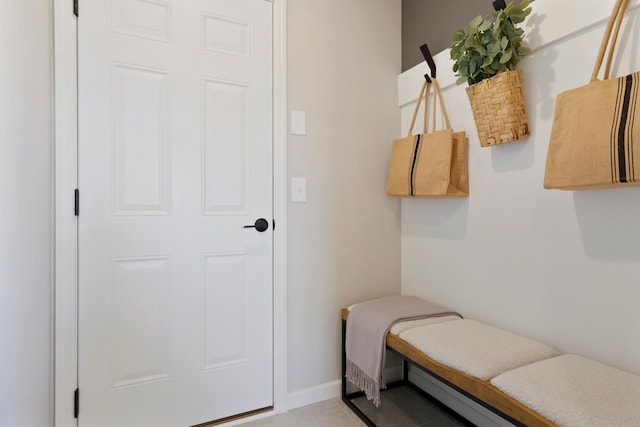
pixel 260 225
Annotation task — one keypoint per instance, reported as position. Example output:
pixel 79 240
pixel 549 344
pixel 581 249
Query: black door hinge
pixel 76 403
pixel 76 201
pixel 75 7
pixel 274 223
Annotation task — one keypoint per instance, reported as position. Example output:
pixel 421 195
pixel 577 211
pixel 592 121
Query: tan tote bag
pixel 595 138
pixel 432 164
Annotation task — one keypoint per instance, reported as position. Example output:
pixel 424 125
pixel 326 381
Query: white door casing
pixel 140 267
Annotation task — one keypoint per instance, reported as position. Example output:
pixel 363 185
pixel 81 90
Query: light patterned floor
pixel 400 407
pixel 331 412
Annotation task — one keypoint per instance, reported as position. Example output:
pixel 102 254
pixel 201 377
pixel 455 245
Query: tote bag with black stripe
pixel 432 164
pixel 595 138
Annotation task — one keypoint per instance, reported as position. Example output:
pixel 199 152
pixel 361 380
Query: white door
pixel 175 158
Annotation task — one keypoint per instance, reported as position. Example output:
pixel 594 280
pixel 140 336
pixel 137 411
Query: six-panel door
pixel 175 158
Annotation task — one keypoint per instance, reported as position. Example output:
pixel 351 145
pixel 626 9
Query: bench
pixel 523 381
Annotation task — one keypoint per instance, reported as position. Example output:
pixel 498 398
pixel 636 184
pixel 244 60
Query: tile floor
pixel 414 412
pixel 405 407
pixel 331 413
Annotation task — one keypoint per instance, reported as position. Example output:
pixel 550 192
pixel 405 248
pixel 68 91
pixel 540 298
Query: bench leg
pixel 344 360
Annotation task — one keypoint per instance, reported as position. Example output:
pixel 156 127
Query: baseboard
pixel 332 389
pixel 313 394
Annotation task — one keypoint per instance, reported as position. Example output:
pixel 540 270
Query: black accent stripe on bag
pixel 615 126
pixel 412 177
pixel 631 127
pixel 624 116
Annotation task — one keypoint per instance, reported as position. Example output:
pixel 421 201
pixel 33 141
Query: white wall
pixel 344 242
pixel 25 213
pixel 558 266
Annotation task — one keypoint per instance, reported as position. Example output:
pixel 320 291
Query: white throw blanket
pixel 367 327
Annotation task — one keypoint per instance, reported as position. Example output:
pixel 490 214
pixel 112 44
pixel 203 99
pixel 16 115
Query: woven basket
pixel 499 109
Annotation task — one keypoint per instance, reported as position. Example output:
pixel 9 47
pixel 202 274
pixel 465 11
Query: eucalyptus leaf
pixel 486 24
pixel 523 50
pixel 464 69
pixel 475 23
pixel 506 56
pixel 493 47
pixel 468 43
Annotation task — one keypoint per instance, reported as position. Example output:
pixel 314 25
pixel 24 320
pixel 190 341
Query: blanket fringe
pixel 370 386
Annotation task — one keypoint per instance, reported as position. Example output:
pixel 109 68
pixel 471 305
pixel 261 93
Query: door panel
pixel 141 346
pixel 141 141
pixel 221 303
pixel 175 155
pixel 226 165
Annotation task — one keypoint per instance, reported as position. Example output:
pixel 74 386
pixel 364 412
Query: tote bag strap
pixel 616 31
pixel 437 97
pixel 423 91
pixel 609 39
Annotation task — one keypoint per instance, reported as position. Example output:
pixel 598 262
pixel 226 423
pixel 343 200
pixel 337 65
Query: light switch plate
pixel 298 122
pixel 298 190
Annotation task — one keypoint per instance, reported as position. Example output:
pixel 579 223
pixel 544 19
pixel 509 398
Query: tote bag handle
pixel 610 39
pixel 423 91
pixel 437 96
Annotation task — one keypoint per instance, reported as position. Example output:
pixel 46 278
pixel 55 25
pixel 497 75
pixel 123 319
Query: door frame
pixel 65 82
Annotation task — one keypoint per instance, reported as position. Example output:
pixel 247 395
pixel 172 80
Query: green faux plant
pixel 488 46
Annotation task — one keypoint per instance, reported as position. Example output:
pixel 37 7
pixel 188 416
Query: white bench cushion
pixel 573 391
pixel 475 348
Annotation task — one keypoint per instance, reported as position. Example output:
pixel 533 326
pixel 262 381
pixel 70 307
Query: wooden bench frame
pixel 479 391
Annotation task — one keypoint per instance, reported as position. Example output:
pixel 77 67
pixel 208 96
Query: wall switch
pixel 298 122
pixel 298 189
